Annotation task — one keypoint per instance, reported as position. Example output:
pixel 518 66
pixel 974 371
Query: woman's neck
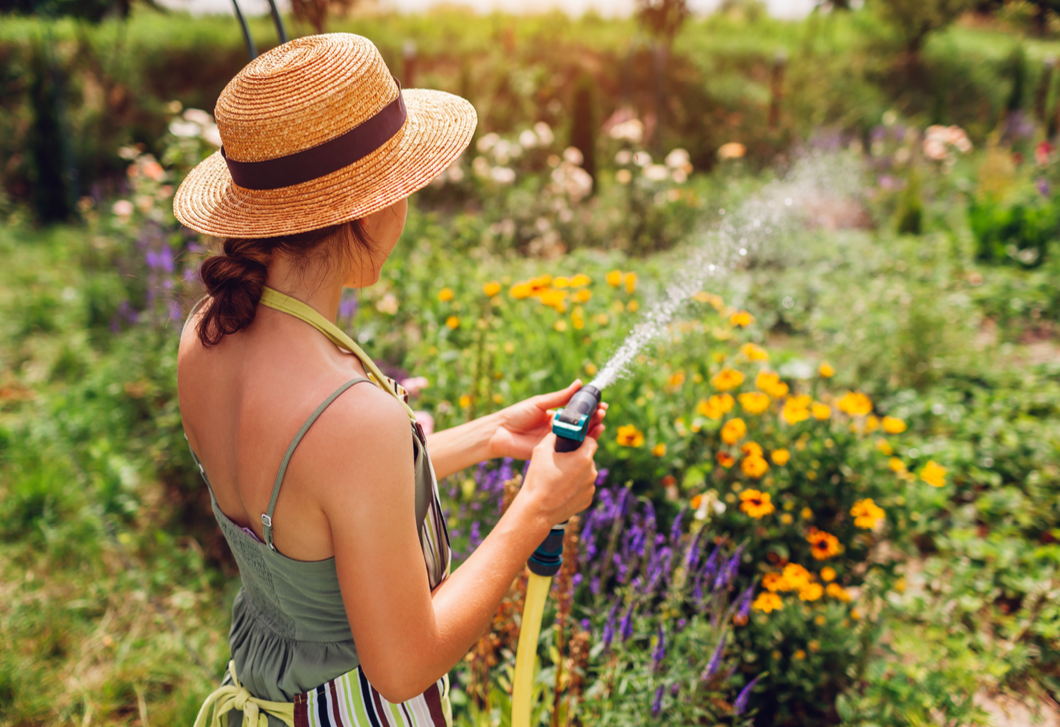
pixel 315 284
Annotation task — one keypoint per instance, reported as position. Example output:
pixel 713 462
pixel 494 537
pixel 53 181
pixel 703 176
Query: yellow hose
pixel 526 655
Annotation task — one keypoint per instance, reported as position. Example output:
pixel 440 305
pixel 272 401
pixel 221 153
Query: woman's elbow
pixel 396 684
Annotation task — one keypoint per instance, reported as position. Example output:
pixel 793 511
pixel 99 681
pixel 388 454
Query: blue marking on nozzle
pixel 569 430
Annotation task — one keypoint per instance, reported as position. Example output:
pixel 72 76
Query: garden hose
pixel 570 425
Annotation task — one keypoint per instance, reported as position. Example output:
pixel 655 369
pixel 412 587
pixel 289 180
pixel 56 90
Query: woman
pixel 324 488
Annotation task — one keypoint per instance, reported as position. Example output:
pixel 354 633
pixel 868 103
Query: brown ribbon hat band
pixel 321 160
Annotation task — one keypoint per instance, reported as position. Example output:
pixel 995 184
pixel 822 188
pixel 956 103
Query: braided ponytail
pixel 236 278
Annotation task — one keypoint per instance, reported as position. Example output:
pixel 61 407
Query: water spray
pixel 570 425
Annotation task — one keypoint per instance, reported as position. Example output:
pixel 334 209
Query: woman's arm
pixel 406 636
pixel 510 432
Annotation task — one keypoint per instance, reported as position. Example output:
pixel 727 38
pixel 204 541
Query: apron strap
pixel 235 696
pixel 294 307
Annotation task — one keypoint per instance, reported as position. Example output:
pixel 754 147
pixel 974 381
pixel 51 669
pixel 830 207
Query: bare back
pixel 243 401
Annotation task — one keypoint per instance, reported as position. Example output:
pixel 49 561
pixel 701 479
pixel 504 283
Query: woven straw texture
pixel 303 94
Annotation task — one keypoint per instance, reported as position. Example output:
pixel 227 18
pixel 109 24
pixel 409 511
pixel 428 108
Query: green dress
pixel 290 634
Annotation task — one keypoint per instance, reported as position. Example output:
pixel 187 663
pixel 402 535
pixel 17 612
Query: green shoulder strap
pixel 292 306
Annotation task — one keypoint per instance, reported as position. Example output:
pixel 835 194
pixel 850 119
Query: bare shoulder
pixel 362 441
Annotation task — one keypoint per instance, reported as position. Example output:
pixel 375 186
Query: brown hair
pixel 235 278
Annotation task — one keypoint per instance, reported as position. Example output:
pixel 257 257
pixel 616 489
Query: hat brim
pixel 437 129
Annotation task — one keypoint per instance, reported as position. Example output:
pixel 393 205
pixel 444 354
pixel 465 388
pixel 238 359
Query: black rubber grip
pixel 548 557
pixel 567 445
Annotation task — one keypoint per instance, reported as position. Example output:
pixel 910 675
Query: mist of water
pixel 778 208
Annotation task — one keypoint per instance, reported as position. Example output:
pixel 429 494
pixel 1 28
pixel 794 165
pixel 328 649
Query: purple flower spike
pixel 656 706
pixel 675 530
pixel 609 626
pixel 745 604
pixel 601 476
pixel 659 653
pixel 692 558
pixel 715 660
pixel 710 568
pixel 741 699
pixel 626 627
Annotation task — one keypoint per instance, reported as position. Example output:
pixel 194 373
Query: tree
pixel 915 20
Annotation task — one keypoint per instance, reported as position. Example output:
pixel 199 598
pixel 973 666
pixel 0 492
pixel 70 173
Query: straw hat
pixel 317 132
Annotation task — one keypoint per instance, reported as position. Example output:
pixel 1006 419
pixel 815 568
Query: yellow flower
pixel 582 296
pixel 896 465
pixel 590 368
pixel 631 282
pixel 553 299
pixel 872 424
pixel 614 278
pixel 696 501
pixel 806 513
pixel 714 300
pixel 823 545
pixel 577 318
pixel 933 474
pixel 795 409
pixel 521 290
pixel 826 370
pixel 560 283
pixel 727 379
pixel 756 504
pixel 866 513
pixel 767 602
pixel 445 295
pixel 498 399
pixel 799 654
pixel 780 456
pixel 838 592
pixel 725 459
pixel 630 436
pixel 676 379
pixel 509 347
pixel 452 322
pixel 754 353
pixel 811 592
pixel 794 577
pixel 560 326
pixel 750 448
pixel 580 281
pixel 820 411
pixel 754 402
pixel 787 519
pixel 632 306
pixel 465 401
pixel 492 288
pixel 659 450
pixel 828 574
pixel 855 404
pixel 741 318
pixel 540 283
pixel 602 319
pixel 884 446
pixel 772 582
pixel 754 466
pixel 715 406
pixel 893 425
pixel 770 383
pixel 733 431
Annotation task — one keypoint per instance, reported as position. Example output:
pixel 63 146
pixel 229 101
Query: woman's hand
pixel 522 426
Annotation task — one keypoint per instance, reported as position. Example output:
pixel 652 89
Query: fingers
pixel 557 399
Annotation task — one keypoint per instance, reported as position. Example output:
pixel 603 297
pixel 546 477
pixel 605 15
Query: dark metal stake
pixel 251 50
pixel 278 22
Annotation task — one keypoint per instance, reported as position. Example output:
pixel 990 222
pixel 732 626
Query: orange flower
pixel 676 379
pixel 553 299
pixel 811 592
pixel 631 282
pixel 741 318
pixel 795 409
pixel 933 474
pixel 614 278
pixel 725 459
pixel 715 406
pixel 837 592
pixel 754 353
pixel 893 425
pixel 795 577
pixel 754 402
pixel 820 411
pixel 826 370
pixel 659 450
pixel 756 504
pixel 580 281
pixel 453 322
pixel 767 602
pixel 561 282
pixel 630 436
pixel 770 383
pixel 855 404
pixel 823 545
pixel 754 466
pixel 773 582
pixel 828 574
pixel 896 465
pixel 751 448
pixel 520 291
pixel 727 379
pixel 884 446
pixel 866 513
pixel 733 431
pixel 582 296
pixel 445 295
pixel 780 456
pixel 492 288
